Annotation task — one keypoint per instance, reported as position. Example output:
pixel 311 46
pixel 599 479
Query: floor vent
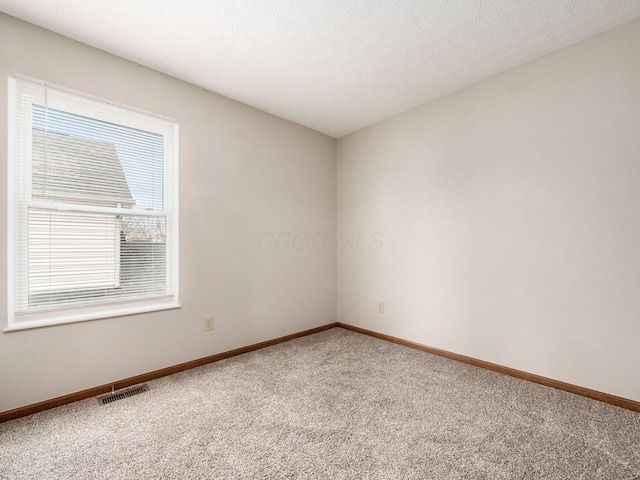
pixel 124 393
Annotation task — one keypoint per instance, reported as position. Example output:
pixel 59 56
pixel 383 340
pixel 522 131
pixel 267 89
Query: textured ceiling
pixel 333 65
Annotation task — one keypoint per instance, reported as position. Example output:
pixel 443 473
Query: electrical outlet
pixel 380 307
pixel 208 323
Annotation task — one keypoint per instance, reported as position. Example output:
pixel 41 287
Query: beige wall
pixel 242 173
pixel 500 222
pixel 510 218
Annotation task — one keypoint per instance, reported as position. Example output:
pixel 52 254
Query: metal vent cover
pixel 124 393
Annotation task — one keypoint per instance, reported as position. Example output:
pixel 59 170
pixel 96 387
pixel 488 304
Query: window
pixel 93 208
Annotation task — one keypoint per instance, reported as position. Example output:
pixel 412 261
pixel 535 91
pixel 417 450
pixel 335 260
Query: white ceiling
pixel 332 65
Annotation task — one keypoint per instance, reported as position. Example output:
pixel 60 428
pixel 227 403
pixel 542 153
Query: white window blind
pixel 93 230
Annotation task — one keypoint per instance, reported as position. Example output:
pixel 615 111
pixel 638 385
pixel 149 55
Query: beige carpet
pixel 335 405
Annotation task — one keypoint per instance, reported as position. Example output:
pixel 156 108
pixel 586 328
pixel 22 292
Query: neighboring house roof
pixel 78 170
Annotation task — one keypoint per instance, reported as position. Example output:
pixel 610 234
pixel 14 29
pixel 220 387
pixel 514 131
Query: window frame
pixel 19 198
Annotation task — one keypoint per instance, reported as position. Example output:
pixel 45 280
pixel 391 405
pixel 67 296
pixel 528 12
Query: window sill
pixel 50 319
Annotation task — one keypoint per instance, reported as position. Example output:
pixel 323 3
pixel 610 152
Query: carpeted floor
pixel 334 405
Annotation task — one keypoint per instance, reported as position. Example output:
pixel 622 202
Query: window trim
pixel 85 314
pixel 112 112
